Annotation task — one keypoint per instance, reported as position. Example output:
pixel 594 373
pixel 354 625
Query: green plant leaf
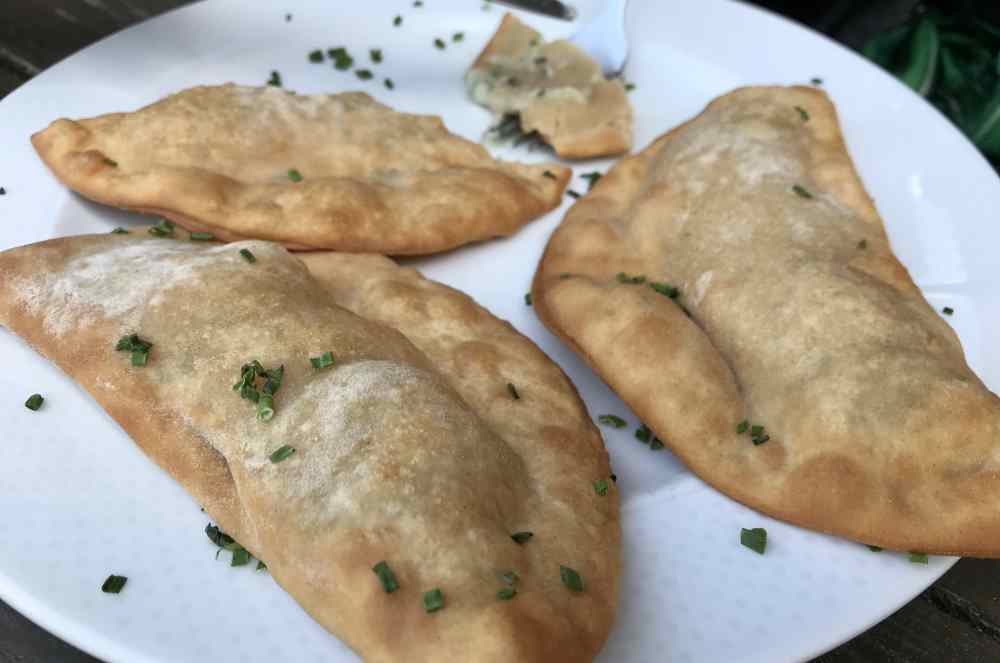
pixel 923 59
pixel 984 130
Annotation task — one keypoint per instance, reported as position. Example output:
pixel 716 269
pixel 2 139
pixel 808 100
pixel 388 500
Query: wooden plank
pixel 23 642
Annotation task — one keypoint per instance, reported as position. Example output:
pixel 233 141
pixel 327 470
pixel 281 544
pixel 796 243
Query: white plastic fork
pixel 603 37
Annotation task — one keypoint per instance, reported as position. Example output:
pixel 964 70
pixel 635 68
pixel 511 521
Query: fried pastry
pixel 340 171
pixel 555 88
pixel 734 284
pixel 443 498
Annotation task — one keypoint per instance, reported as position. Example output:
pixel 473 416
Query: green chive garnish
pixel 506 593
pixel 363 74
pixel 322 361
pixel 656 444
pixel 521 537
pixel 439 43
pixel 281 453
pixel 202 237
pixel 510 578
pixel 947 310
pixel 341 58
pixel 316 56
pixel 875 548
pixel 802 113
pixel 295 175
pixel 816 81
pixel 622 277
pixel 513 391
pixel 629 87
pixel 572 194
pixel 458 36
pixel 801 191
pixel 119 231
pixel 113 584
pixel 241 557
pixel 139 357
pixel 433 600
pixel 34 402
pixel 527 299
pixel 863 244
pixel 162 229
pixel 249 257
pixel 549 174
pixel 643 434
pixel 275 79
pixel 591 179
pixel 137 346
pixel 759 439
pixel 376 55
pixel 742 426
pixel 756 429
pixel 398 21
pixel 611 420
pixel 755 539
pixel 265 407
pixel 918 558
pixel 601 487
pixel 110 162
pixel 261 566
pixel 386 577
pixel 571 578
pixel 418 3
pixel 389 84
pixel 665 289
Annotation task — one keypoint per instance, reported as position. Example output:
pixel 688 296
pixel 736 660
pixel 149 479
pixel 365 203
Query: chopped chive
pixel 249 257
pixel 521 537
pixel 611 420
pixel 389 84
pixel 34 402
pixel 265 407
pixel 601 487
pixel 572 194
pixel 629 87
pixel 759 439
pixel 439 43
pixel 458 36
pixel 139 357
pixel 386 577
pixel 3 191
pixel 622 277
pixel 506 593
pixel 549 174
pixel 376 55
pixel 510 578
pixel 316 56
pixel 816 80
pixel 802 113
pixel 742 426
pixel 666 289
pixel 918 558
pixel 119 231
pixel 137 346
pixel 110 162
pixel 202 237
pixel 281 453
pixel 863 244
pixel 418 3
pixel 294 175
pixel 241 557
pixel 433 600
pixel 527 299
pixel 114 584
pixel 261 566
pixel 756 429
pixel 755 539
pixel 591 179
pixel 643 434
pixel 162 229
pixel 363 74
pixel 513 391
pixel 656 444
pixel 217 536
pixel 275 79
pixel 801 191
pixel 875 548
pixel 947 310
pixel 571 578
pixel 398 21
pixel 322 361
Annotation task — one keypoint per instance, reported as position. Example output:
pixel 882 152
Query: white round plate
pixel 80 500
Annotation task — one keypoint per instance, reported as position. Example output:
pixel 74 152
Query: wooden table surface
pixel 957 619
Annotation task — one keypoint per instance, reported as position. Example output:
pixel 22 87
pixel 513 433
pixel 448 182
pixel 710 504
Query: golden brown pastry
pixel 338 171
pixel 800 321
pixel 412 453
pixel 556 89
